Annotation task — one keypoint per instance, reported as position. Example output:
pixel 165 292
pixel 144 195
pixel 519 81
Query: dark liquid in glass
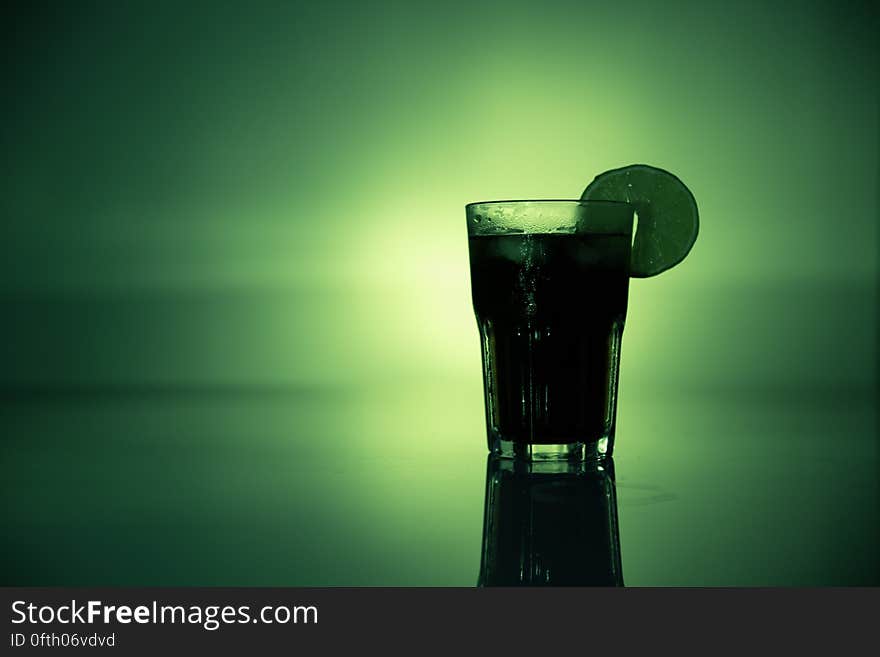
pixel 550 309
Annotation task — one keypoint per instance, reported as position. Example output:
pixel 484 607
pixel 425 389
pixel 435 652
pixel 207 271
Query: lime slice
pixel 668 220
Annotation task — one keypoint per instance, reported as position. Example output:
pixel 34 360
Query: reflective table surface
pixel 387 486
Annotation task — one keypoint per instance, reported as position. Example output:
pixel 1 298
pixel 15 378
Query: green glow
pixel 293 205
pixel 274 196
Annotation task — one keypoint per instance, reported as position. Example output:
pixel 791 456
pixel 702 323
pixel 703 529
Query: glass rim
pixel 548 200
pixel 541 216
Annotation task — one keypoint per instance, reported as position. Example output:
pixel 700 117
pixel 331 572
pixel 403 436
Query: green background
pixel 235 231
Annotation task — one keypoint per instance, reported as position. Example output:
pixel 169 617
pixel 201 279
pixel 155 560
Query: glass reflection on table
pixel 550 524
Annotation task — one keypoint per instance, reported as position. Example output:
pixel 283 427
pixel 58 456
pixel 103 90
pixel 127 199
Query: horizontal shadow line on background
pixel 163 391
pixel 843 394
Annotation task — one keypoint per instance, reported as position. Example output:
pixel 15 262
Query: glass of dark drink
pixel 549 282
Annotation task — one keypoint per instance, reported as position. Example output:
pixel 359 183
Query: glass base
pixel 577 451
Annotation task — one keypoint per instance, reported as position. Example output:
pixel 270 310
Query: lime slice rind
pixel 668 219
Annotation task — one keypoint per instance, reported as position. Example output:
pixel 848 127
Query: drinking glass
pixel 549 281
